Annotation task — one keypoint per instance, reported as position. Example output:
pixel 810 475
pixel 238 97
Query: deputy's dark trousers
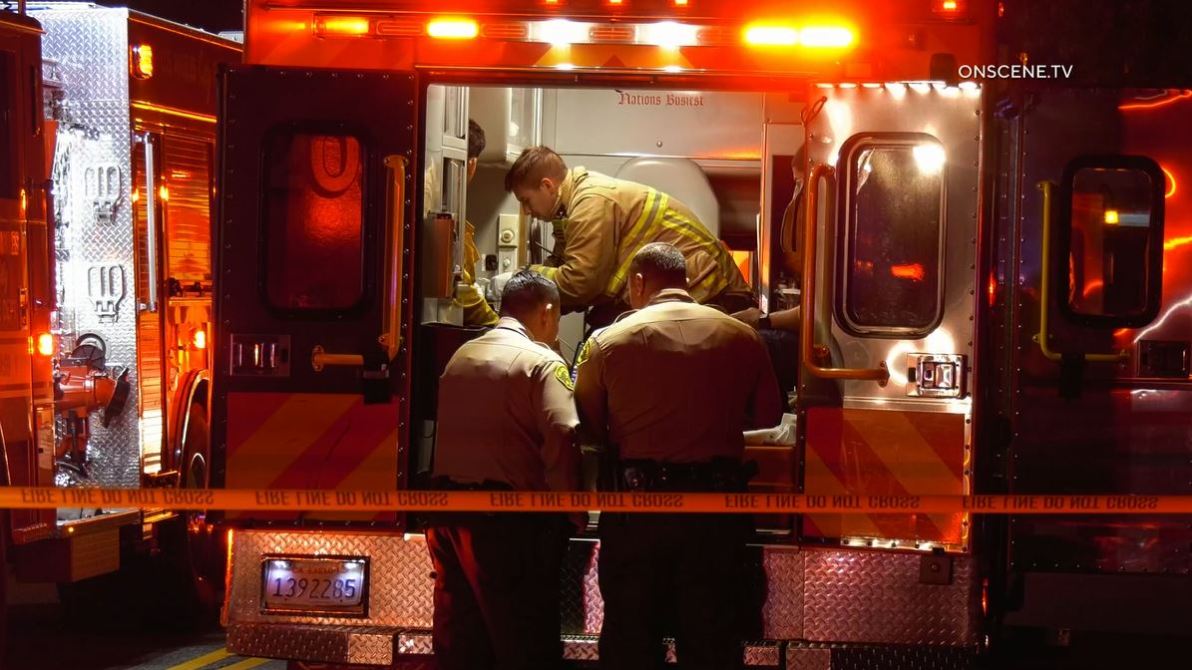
pixel 688 569
pixel 497 591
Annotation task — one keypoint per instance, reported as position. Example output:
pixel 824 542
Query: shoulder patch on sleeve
pixel 564 376
pixel 584 353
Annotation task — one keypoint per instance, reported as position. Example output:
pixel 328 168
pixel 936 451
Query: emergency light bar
pixel 670 35
pixel 812 36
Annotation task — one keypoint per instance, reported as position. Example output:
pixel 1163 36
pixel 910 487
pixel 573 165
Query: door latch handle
pixel 319 359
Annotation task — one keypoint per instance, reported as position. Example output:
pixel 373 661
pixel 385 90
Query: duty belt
pixel 719 474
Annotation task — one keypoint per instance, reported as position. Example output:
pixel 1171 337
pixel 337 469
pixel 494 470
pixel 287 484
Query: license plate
pixel 320 585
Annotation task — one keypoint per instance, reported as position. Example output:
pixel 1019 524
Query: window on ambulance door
pixel 314 221
pixel 893 235
pixel 1113 240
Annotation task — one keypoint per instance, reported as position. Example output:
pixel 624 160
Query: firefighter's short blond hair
pixel 534 165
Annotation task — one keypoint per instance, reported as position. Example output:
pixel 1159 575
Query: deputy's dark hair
pixel 661 263
pixel 526 291
pixel 476 140
pixel 533 165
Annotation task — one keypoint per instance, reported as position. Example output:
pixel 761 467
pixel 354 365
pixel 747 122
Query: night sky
pixel 210 15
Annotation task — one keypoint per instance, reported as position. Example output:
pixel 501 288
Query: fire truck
pixel 26 297
pixel 119 107
pixel 990 261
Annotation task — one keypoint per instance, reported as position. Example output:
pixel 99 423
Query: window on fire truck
pixel 893 235
pixel 1112 240
pixel 8 126
pixel 314 221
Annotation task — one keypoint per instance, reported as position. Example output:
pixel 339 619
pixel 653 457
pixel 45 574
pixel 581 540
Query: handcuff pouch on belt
pixel 718 475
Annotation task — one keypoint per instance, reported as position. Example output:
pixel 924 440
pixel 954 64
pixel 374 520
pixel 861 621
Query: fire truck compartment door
pixel 894 286
pixel 310 369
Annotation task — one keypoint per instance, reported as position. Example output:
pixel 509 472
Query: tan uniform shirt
pixel 506 414
pixel 676 382
pixel 608 220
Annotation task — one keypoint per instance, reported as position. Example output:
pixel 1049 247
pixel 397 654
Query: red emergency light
pixel 45 344
pixel 453 28
pixel 950 9
pixel 141 61
pixel 342 26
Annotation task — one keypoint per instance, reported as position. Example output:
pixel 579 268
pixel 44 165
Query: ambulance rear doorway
pixel 726 154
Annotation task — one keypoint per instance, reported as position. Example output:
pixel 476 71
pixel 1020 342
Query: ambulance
pixel 991 264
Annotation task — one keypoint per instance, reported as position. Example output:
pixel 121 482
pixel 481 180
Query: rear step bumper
pixel 370 645
pixel 410 649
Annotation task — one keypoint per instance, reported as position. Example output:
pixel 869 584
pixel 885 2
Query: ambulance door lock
pixel 935 375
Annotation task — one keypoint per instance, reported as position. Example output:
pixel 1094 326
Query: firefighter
pixel 506 421
pixel 673 385
pixel 477 311
pixel 600 222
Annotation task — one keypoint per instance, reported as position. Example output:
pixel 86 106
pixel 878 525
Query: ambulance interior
pixel 726 154
pixel 706 148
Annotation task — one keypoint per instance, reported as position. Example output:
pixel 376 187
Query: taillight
pixel 200 339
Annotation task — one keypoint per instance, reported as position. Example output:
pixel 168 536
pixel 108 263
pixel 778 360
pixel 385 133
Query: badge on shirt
pixel 564 377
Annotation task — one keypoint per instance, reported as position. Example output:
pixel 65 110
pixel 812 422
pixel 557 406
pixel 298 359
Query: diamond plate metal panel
pixel 580 604
pixel 92 190
pixel 813 657
pixel 328 644
pixel 875 597
pixel 581 648
pixel 803 658
pixel 763 655
pixel 400 593
pixel 782 614
pixel 593 601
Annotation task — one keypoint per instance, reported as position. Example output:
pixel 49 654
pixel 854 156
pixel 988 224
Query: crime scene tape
pixel 15 497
